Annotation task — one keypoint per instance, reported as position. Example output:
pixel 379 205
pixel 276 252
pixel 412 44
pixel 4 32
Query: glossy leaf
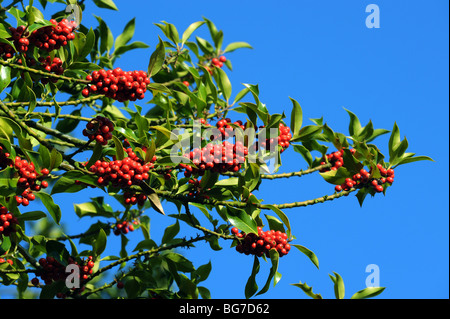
pixel 296 117
pixel 236 45
pixel 251 287
pixel 368 292
pixel 339 288
pixel 53 209
pixel 187 33
pixel 309 254
pixel 157 59
pixel 308 290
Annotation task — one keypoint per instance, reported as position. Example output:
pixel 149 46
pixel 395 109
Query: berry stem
pixel 65 103
pixel 43 73
pixel 286 175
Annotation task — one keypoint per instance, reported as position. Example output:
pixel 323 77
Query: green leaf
pixel 145 244
pixel 50 291
pixel 309 254
pixel 170 232
pixel 5 77
pixel 181 262
pixel 204 45
pixel 355 125
pixel 240 219
pixel 187 33
pixel 53 209
pixel 274 258
pixel 394 140
pixel 106 36
pixel 86 45
pixel 251 286
pixel 96 155
pixel 34 215
pixel 99 245
pixel 133 287
pixel 66 183
pixel 172 33
pixel 157 59
pixel 106 4
pixel 361 195
pixel 126 35
pixel 120 154
pixel 368 292
pixel 236 45
pixel 283 218
pixel 202 272
pixel 406 160
pixel 224 83
pixel 135 45
pixel 296 117
pixel 95 208
pixel 339 288
pixel 275 223
pixel 232 181
pixel 336 177
pixel 69 124
pixel 308 290
pixel 306 133
pixel 57 250
pixel 304 152
pixel 153 197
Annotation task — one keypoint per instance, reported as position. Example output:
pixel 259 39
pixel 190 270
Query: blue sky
pixel 322 54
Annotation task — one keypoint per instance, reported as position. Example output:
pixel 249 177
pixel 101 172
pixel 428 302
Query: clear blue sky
pixel 322 54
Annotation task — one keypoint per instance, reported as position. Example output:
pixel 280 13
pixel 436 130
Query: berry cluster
pixel 283 139
pixel 132 198
pixel 5 161
pixel 6 51
pixel 124 227
pixel 218 62
pixel 196 191
pixel 335 159
pixel 118 84
pixel 9 261
pixel 51 65
pixel 19 37
pixel 28 180
pixel 100 128
pixel 124 173
pixel 7 222
pixel 262 243
pixel 55 36
pixel 222 158
pixel 226 129
pixel 121 173
pixel 363 179
pixel 52 270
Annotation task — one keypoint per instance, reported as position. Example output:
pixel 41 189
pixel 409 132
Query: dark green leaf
pixel 251 286
pixel 157 59
pixel 53 209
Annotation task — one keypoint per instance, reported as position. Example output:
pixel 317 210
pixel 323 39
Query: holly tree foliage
pixel 190 144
